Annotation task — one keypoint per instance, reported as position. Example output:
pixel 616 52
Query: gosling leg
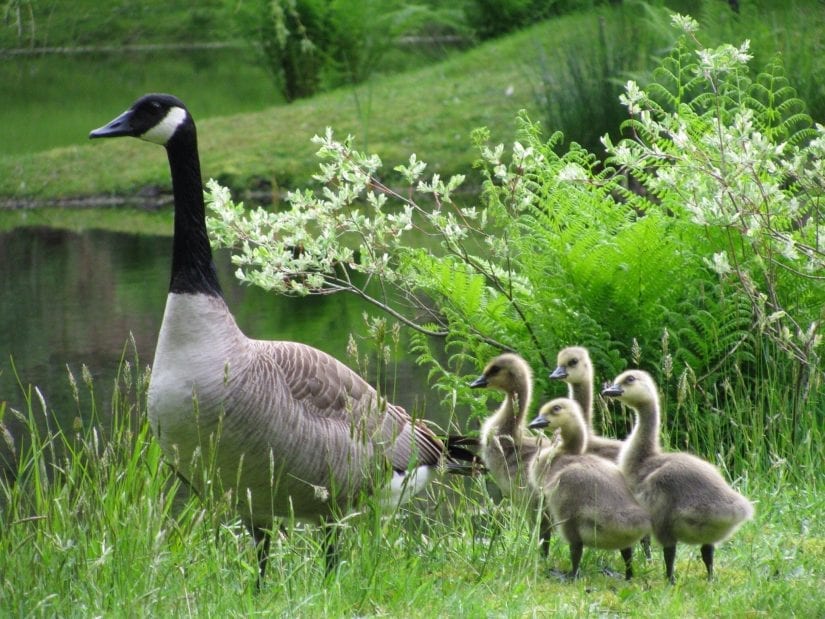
pixel 645 543
pixel 627 555
pixel 707 557
pixel 545 534
pixel 575 558
pixel 670 559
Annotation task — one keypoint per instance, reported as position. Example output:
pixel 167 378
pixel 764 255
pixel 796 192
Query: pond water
pixel 69 299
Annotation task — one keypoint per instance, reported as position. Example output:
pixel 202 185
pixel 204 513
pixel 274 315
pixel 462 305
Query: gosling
pixel 585 495
pixel 574 367
pixel 687 498
pixel 507 447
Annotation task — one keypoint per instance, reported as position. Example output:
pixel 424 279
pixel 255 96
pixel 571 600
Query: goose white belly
pixel 203 363
pixel 194 354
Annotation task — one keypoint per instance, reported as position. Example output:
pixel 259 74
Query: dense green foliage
pixel 313 45
pixel 701 236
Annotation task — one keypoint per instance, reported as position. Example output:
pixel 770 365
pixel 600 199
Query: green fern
pixel 780 114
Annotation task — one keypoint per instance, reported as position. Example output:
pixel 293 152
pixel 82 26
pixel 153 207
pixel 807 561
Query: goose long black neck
pixel 193 270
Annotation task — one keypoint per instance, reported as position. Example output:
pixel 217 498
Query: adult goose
pixel 574 367
pixel 687 498
pixel 585 495
pixel 507 447
pixel 291 431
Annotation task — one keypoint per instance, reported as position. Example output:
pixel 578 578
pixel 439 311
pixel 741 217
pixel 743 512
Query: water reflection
pixel 69 299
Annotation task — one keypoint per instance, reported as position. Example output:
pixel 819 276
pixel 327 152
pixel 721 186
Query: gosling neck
pixel 583 394
pixel 643 442
pixel 193 270
pixel 510 417
pixel 574 437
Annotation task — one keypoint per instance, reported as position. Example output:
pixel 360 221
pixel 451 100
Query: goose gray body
pixel 289 429
pixel 586 495
pixel 688 499
pixel 300 431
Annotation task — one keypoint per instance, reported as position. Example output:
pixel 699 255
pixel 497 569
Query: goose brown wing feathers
pixel 328 390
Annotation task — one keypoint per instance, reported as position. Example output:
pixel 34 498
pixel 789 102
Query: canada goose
pixel 507 447
pixel 687 498
pixel 575 368
pixel 289 429
pixel 586 495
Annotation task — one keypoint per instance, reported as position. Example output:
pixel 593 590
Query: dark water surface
pixel 73 298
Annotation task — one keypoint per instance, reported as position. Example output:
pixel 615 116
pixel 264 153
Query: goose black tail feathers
pixel 462 455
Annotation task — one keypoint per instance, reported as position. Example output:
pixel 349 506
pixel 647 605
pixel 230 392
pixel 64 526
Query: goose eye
pixel 630 379
pixel 493 370
pixel 573 363
pixel 557 409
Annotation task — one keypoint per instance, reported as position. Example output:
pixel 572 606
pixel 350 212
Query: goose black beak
pixel 612 391
pixel 558 374
pixel 538 423
pixel 481 381
pixel 120 126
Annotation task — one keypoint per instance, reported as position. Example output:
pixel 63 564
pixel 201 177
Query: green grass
pixel 95 523
pixel 120 219
pixel 430 111
pixel 54 101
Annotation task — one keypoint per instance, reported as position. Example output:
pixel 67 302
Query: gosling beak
pixel 559 373
pixel 612 391
pixel 481 381
pixel 538 423
pixel 122 125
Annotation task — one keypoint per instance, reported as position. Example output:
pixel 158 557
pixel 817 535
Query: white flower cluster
pixel 716 163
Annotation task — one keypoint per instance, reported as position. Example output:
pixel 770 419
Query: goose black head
pixel 155 118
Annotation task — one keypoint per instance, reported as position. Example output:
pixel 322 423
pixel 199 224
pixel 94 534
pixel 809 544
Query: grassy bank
pixel 429 111
pixel 95 523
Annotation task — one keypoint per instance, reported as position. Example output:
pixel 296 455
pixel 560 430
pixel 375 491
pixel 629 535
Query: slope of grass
pixel 430 111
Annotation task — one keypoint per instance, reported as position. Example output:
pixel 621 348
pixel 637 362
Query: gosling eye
pixel 630 379
pixel 573 363
pixel 493 370
pixel 556 409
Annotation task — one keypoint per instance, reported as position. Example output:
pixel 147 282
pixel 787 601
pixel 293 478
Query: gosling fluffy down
pixel 507 447
pixel 687 498
pixel 574 367
pixel 586 496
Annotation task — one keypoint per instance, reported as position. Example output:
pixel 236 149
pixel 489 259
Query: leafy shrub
pixel 704 224
pixel 313 45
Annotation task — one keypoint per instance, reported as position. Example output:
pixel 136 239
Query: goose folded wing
pixel 334 395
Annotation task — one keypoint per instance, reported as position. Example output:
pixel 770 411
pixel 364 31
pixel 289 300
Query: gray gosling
pixel 574 367
pixel 507 447
pixel 687 498
pixel 586 495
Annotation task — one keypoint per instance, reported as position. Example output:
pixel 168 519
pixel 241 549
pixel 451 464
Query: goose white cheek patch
pixel 161 132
